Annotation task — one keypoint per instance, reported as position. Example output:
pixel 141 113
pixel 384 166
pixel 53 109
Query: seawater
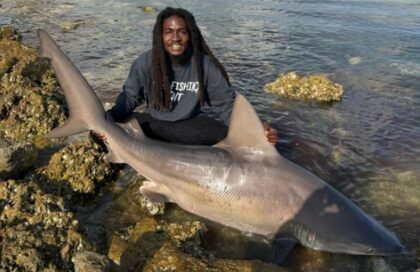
pixel 367 145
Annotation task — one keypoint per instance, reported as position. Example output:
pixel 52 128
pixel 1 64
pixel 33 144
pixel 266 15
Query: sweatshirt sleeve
pixel 221 95
pixel 132 94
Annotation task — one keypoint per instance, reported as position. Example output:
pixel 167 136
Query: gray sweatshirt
pixel 138 89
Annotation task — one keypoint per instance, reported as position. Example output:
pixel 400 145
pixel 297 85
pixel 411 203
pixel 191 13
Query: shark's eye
pixel 370 250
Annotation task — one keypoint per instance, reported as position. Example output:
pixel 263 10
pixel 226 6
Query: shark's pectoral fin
pixel 153 192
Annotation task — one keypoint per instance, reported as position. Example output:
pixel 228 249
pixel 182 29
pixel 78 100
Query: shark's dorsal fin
pixel 246 130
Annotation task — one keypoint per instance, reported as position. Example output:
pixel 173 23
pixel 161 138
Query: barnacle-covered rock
pixel 187 236
pixel 131 247
pixel 37 231
pixel 16 158
pixel 72 25
pixel 148 9
pixel 78 168
pixel 170 258
pixel 313 87
pixel 9 33
pixel 31 103
pixel 86 260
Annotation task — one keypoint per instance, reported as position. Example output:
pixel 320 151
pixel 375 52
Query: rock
pixel 148 9
pixel 16 158
pixel 152 208
pixel 31 103
pixel 314 87
pixel 77 169
pixel 36 229
pixel 378 264
pixel 187 236
pixel 130 248
pixel 76 24
pixel 93 262
pixel 170 258
pixel 9 33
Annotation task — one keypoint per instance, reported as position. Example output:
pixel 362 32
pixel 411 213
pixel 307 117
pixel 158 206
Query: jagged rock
pixel 313 87
pixel 77 169
pixel 16 158
pixel 148 9
pixel 37 230
pixel 9 33
pixel 93 262
pixel 170 258
pixel 31 103
pixel 76 24
pixel 378 264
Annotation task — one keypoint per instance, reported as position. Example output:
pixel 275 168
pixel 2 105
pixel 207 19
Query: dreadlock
pixel 162 69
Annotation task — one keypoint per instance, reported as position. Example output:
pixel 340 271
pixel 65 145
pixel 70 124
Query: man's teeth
pixel 176 46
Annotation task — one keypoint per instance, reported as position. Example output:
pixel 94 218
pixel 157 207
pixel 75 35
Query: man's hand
pixel 270 132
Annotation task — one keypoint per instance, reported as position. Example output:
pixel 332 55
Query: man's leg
pixel 200 130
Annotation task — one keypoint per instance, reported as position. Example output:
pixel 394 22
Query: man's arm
pixel 132 94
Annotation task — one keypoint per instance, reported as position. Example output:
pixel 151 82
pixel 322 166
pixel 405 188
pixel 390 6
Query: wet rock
pixel 170 258
pixel 378 264
pixel 188 236
pixel 148 9
pixel 93 262
pixel 131 247
pixel 16 158
pixel 355 60
pixel 313 87
pixel 152 208
pixel 76 24
pixel 31 103
pixel 9 33
pixel 305 259
pixel 36 229
pixel 76 169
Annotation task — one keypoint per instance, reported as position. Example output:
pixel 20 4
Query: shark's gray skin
pixel 241 182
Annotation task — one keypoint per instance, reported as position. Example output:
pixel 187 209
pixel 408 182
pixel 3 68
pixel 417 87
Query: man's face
pixel 175 36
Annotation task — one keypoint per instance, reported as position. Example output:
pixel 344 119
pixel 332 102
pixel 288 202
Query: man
pixel 186 89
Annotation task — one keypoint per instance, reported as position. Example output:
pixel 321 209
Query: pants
pixel 201 130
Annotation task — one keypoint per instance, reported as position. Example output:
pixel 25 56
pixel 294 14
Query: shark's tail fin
pixel 85 108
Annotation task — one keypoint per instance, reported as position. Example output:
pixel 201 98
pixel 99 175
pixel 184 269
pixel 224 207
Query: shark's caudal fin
pixel 246 130
pixel 86 110
pixel 132 127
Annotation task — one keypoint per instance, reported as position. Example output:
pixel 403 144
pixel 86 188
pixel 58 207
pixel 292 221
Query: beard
pixel 182 59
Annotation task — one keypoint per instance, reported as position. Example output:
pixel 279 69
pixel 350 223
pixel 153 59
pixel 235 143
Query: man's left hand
pixel 270 132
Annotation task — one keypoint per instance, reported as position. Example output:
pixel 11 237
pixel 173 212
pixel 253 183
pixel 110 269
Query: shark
pixel 242 182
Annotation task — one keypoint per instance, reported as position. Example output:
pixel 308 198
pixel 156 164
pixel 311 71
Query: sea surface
pixel 367 145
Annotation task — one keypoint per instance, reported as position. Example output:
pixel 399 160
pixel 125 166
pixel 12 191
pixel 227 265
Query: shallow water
pixel 367 145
